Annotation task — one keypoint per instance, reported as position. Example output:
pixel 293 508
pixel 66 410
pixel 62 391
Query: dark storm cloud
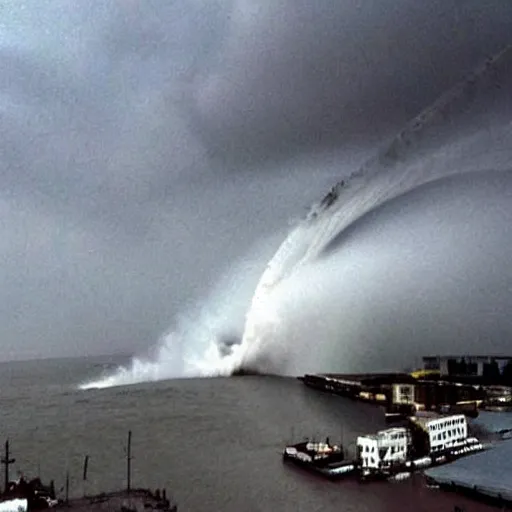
pixel 116 119
pixel 312 73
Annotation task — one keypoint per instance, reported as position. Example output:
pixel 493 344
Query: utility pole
pixel 129 462
pixel 67 487
pixel 84 475
pixel 6 461
pixel 86 465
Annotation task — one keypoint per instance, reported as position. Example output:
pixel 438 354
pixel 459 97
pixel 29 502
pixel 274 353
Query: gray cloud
pixel 331 73
pixel 122 123
pixel 427 272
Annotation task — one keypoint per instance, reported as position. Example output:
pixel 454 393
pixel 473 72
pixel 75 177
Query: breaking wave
pixel 467 130
pixel 203 342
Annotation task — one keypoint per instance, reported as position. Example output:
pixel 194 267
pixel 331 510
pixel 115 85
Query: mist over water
pixel 409 254
pixel 203 341
pixel 324 291
pixel 418 275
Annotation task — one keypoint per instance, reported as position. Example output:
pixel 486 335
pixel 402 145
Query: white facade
pixel 446 432
pixel 15 505
pixel 384 448
pixel 403 393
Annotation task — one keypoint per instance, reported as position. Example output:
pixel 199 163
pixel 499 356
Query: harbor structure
pixel 446 383
pixel 437 434
pixel 29 495
pixel 375 387
pixel 484 476
pixel 322 458
pixel 488 369
pixel 383 450
pixel 401 393
pixel 427 440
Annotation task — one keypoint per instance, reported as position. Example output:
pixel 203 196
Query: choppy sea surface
pixel 214 444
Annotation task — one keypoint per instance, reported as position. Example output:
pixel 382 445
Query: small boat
pixel 321 458
pixel 398 477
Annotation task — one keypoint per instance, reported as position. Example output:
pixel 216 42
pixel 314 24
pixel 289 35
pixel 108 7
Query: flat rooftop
pixel 426 417
pixel 488 472
pixel 371 378
pixel 467 356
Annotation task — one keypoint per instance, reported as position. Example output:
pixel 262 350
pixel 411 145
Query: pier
pixel 436 399
pixel 445 385
pixel 29 495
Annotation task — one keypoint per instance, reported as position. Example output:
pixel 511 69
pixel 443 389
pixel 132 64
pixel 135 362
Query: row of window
pixel 398 449
pixel 393 449
pixel 454 432
pixel 441 447
pixel 400 435
pixel 446 423
pixel 366 448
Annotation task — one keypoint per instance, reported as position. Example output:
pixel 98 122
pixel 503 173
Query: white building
pixel 443 432
pixel 383 449
pixel 402 394
pixel 14 505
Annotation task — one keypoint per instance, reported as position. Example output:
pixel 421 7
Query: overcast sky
pixel 146 146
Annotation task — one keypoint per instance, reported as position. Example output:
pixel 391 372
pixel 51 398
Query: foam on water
pixel 204 342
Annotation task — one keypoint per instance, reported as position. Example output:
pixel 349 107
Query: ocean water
pixel 214 444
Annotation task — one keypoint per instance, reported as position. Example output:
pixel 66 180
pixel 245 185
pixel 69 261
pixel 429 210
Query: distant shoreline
pixel 67 358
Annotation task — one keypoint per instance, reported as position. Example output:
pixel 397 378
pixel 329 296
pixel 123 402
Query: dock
pixel 484 477
pixel 29 495
pixel 427 402
pixel 137 500
pixel 369 387
pixel 403 394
